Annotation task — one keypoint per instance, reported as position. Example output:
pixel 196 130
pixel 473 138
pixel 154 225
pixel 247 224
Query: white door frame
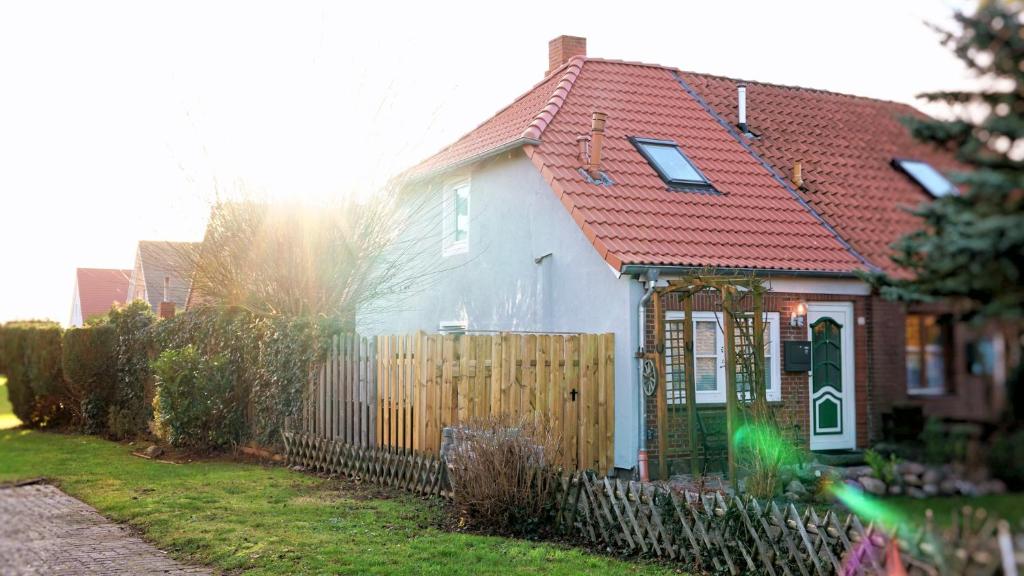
pixel 842 312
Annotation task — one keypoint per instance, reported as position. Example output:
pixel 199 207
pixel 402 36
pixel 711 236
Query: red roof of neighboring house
pixel 758 220
pixel 100 288
pixel 845 145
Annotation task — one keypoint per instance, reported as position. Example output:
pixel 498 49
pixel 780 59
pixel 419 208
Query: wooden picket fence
pixel 342 402
pixel 401 391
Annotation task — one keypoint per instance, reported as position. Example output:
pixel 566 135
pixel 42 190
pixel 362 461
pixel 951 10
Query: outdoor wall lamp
pixel 797 316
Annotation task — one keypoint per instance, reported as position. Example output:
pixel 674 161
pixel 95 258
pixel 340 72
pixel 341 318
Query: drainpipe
pixel 652 278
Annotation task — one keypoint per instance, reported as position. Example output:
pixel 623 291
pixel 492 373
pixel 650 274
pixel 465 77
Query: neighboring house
pixel 96 291
pixel 162 273
pixel 551 218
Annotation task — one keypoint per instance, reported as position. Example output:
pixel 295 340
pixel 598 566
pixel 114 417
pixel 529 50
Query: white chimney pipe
pixel 742 95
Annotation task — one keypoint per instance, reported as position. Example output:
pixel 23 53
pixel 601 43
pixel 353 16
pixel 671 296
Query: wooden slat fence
pixel 342 399
pixel 401 391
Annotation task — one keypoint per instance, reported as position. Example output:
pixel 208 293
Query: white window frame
pixel 939 350
pixel 453 326
pixel 717 396
pixel 449 245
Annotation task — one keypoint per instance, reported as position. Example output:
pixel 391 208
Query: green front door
pixel 827 376
pixel 831 380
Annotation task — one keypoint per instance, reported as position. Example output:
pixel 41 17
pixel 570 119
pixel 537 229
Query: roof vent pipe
pixel 798 174
pixel 167 287
pixel 741 94
pixel 596 144
pixel 583 142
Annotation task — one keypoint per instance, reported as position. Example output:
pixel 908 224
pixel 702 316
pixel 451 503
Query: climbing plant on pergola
pixel 742 306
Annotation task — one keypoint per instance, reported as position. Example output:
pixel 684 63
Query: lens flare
pixel 764 442
pixel 868 508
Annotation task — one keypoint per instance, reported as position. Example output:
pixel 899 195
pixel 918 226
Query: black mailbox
pixel 797 356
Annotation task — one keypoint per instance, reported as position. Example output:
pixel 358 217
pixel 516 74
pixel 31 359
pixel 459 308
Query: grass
pixel 7 417
pixel 1007 506
pixel 270 520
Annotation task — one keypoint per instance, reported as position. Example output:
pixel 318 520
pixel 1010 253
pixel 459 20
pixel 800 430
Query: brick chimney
pixel 166 305
pixel 167 310
pixel 561 49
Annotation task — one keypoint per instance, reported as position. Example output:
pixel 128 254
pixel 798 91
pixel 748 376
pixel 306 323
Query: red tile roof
pixel 845 145
pixel 100 288
pixel 757 220
pixel 521 121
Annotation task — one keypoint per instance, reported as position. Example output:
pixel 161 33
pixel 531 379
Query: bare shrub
pixel 504 472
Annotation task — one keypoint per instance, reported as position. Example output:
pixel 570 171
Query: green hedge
pixel 199 402
pixel 31 353
pixel 256 365
pixel 90 372
pixel 270 359
pixel 130 404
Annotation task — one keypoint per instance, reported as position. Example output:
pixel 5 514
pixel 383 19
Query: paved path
pixel 45 531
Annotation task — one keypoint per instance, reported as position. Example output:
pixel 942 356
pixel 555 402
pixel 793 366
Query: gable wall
pixel 515 218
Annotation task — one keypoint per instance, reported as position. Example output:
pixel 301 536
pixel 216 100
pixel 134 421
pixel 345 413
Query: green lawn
pixel 7 418
pixel 270 520
pixel 1006 506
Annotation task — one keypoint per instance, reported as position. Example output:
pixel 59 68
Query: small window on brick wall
pixel 709 358
pixel 928 342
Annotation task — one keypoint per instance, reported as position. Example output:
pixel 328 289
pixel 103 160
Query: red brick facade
pixel 793 410
pixel 879 373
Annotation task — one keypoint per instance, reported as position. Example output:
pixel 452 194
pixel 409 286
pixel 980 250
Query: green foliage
pixel 944 444
pixel 198 401
pixel 970 248
pixel 763 449
pixel 1006 459
pixel 271 357
pixel 90 369
pixel 31 353
pixel 883 468
pixel 130 408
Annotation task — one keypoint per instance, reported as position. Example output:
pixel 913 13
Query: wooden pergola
pixel 733 290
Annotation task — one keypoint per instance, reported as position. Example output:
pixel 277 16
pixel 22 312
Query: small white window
pixel 709 358
pixel 455 210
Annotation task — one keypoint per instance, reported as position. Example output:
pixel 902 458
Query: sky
pixel 123 121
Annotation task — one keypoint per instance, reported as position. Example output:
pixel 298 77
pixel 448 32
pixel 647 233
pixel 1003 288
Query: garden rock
pixel 792 496
pixel 855 472
pixel 153 451
pixel 913 468
pixel 872 485
pixel 896 490
pixel 912 479
pixel 796 487
pixel 949 487
pixel 853 483
pixel 931 489
pixel 915 492
pixel 931 476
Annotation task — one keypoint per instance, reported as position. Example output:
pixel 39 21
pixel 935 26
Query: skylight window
pixel 927 177
pixel 670 163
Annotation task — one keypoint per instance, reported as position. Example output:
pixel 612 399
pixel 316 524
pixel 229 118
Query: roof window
pixel 670 163
pixel 927 177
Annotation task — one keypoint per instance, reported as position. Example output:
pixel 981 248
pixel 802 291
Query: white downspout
pixel 642 469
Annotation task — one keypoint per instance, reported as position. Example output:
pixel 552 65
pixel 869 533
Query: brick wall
pixel 794 409
pixel 967 397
